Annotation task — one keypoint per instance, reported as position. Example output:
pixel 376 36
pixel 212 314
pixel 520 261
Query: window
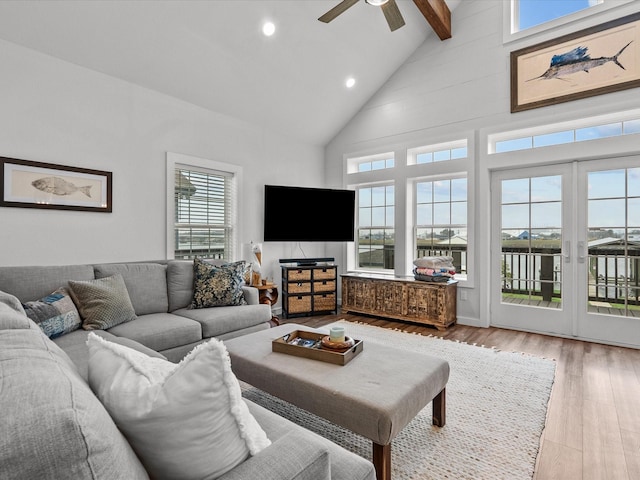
pixel 204 211
pixel 588 129
pixel 375 165
pixel 376 236
pixel 530 13
pixel 441 220
pixel 370 163
pixel 437 153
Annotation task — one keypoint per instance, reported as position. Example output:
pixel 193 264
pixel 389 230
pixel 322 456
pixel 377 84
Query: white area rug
pixel 496 411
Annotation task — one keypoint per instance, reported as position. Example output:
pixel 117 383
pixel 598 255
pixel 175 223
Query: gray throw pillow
pixel 103 303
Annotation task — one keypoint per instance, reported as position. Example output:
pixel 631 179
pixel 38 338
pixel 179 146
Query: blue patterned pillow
pixel 218 286
pixel 55 314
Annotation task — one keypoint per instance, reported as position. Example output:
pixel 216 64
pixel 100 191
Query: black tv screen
pixel 301 214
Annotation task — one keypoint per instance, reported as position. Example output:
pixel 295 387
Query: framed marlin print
pixel 594 61
pixel 24 183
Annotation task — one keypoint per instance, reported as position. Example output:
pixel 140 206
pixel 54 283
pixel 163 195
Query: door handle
pixel 581 252
pixel 567 251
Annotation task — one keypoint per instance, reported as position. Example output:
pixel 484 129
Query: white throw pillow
pixel 185 420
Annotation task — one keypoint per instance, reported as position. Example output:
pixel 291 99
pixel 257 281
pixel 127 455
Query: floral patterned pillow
pixel 218 286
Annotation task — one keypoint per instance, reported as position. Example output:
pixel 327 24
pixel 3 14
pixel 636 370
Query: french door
pixel 566 250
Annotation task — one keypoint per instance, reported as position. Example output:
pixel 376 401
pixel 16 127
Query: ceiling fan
pixel 389 8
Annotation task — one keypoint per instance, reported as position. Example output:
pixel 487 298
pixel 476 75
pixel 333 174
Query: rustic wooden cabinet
pixel 401 298
pixel 309 290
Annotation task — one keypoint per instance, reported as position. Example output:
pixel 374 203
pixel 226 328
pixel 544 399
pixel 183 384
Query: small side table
pixel 268 295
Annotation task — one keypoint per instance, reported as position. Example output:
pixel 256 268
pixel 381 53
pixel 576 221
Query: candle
pixel 336 334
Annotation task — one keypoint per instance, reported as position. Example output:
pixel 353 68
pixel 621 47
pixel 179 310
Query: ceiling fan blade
pixel 337 10
pixel 393 15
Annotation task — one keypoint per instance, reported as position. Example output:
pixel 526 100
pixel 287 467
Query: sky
pixel 535 12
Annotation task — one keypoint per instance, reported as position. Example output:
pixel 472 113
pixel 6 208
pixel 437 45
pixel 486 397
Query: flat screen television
pixel 302 214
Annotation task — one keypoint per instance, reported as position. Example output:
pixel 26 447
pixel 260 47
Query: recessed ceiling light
pixel 268 29
pixel 350 82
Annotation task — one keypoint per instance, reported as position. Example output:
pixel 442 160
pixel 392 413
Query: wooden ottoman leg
pixel 439 409
pixel 382 461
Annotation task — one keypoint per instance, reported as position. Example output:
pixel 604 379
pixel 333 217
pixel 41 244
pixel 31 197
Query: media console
pixel 308 289
pixel 400 298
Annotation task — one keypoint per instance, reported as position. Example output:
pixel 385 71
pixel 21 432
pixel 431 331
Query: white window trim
pixel 178 159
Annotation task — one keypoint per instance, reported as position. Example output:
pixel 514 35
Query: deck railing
pixel 613 275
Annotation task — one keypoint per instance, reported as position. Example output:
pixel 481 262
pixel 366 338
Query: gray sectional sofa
pixel 53 426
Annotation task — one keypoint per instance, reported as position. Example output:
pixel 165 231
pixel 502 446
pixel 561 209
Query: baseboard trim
pixel 470 322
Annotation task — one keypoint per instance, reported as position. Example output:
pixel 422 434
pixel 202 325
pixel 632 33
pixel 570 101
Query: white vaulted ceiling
pixel 213 53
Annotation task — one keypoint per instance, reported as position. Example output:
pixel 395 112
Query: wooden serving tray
pixel 339 358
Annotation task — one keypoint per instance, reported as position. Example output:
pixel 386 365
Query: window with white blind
pixel 204 204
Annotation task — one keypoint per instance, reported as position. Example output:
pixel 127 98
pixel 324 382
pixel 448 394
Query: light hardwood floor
pixel 593 419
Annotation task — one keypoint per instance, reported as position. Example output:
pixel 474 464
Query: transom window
pixel 530 13
pixel 369 163
pixel 437 153
pixel 588 129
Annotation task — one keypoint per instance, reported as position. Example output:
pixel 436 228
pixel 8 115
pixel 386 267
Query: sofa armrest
pixel 251 295
pixel 291 457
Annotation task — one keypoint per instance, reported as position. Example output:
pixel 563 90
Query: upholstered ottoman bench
pixel 375 395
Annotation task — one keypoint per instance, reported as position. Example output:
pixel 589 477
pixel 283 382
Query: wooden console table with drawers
pixel 400 298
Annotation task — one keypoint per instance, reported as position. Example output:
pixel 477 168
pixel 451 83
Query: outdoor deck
pixel 602 308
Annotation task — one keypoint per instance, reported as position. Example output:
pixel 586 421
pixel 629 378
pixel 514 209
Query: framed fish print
pixel 24 183
pixel 594 61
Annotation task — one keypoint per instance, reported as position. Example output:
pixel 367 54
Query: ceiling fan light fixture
pixel 376 3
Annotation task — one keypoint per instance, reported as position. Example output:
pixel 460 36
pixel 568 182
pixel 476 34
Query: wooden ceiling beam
pixel 438 15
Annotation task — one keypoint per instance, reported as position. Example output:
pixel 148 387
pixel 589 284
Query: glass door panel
pixel 532 241
pixel 613 239
pixel 528 235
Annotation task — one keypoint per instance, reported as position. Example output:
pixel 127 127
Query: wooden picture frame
pixel 594 61
pixel 28 184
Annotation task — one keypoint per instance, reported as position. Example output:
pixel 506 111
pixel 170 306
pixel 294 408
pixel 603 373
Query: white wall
pixel 56 112
pixel 455 89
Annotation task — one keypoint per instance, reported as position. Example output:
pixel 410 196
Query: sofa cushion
pixel 34 282
pixel 11 301
pixel 160 331
pixel 102 302
pixel 185 420
pixel 146 284
pixel 218 286
pixel 55 314
pixel 52 424
pixel 11 319
pixel 180 277
pixel 179 283
pixel 345 465
pixel 74 344
pixel 220 320
pixel 305 460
